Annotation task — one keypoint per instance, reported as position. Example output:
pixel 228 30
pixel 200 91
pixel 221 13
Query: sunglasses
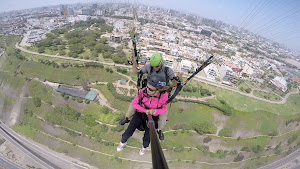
pixel 151 90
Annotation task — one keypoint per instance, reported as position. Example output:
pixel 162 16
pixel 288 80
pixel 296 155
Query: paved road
pixel 31 150
pixel 5 163
pixel 292 161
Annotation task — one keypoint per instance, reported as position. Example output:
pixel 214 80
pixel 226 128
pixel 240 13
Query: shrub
pixel 292 139
pixel 106 110
pixel 225 132
pixel 120 117
pixel 28 112
pixel 89 120
pixel 37 102
pixel 246 149
pixel 221 153
pixel 118 128
pixel 240 157
pixel 66 97
pixel 98 139
pixel 204 149
pixel 79 100
pixel 204 128
pixel 207 139
pixel 273 133
pixel 223 102
pixel 234 152
pixel 68 113
pixel 257 149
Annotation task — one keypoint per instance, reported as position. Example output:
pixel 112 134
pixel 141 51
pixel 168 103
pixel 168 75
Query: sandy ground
pixel 219 120
pixel 17 107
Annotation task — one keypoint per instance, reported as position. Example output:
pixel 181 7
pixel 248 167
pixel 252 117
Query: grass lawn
pixel 191 113
pixel 262 122
pixel 265 95
pixel 97 112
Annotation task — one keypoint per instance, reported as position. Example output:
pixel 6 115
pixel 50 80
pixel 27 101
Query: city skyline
pixel 275 20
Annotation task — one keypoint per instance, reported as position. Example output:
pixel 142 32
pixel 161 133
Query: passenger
pixel 150 100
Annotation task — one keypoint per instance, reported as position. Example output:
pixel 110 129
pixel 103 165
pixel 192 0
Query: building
pixel 211 71
pixel 186 66
pixel 116 38
pixel 296 80
pixel 99 12
pixel 205 32
pixel 226 73
pixel 33 37
pixel 87 11
pixel 247 71
pixel 280 83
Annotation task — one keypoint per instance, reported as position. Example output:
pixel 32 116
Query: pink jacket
pixel 154 104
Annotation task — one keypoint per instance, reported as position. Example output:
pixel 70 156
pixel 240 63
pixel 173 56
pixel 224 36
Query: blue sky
pixel 275 19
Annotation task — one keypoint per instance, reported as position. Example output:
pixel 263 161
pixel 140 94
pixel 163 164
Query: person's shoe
pixel 121 146
pixel 161 135
pixel 126 120
pixel 142 151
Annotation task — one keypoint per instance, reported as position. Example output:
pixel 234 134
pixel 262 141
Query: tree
pixel 103 40
pixel 248 90
pixel 85 84
pixel 76 48
pixel 107 55
pixel 61 52
pixel 41 50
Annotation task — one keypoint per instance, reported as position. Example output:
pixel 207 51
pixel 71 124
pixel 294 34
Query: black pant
pixel 138 119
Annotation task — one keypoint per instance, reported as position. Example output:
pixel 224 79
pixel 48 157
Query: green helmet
pixel 156 60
